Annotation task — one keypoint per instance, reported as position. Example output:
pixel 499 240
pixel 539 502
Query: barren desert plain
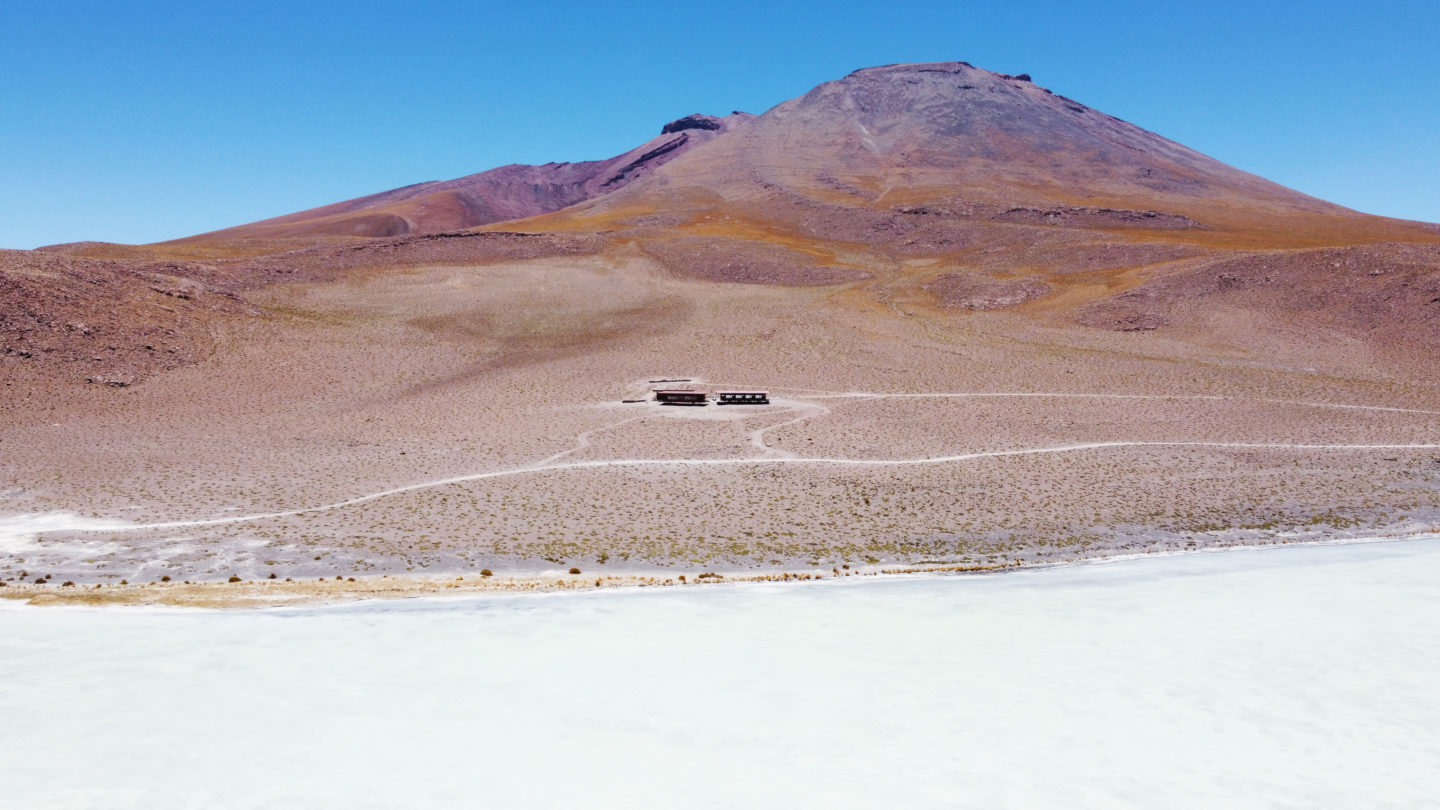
pixel 998 328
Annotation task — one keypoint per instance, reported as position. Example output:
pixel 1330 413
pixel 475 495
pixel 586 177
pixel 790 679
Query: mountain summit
pixel 941 134
pixel 954 137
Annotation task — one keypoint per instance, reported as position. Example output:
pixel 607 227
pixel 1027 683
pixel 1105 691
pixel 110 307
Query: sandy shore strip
pixel 236 593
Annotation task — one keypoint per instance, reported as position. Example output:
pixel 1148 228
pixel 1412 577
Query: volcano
pixel 944 138
pixel 901 136
pixel 940 184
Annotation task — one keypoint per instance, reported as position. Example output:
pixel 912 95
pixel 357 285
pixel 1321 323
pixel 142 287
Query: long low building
pixel 743 397
pixel 671 396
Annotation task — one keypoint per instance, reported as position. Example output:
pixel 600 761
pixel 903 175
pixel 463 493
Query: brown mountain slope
pixel 953 189
pixel 508 192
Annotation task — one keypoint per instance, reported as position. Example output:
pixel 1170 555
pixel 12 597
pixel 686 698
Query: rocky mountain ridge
pixel 496 195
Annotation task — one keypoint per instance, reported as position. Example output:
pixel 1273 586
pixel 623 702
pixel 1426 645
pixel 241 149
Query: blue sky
pixel 145 121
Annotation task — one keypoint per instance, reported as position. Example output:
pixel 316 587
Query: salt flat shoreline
pixel 278 593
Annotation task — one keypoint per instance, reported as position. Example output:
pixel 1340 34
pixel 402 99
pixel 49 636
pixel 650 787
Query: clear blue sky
pixel 143 121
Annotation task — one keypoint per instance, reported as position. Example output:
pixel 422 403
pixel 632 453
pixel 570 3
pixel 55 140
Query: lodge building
pixel 743 397
pixel 670 396
pixel 677 396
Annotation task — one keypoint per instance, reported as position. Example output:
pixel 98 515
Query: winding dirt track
pixel 757 436
pixel 1171 397
pixel 773 455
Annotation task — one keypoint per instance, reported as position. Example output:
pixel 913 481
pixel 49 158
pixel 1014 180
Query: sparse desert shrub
pixel 165 578
pixel 574 570
pixel 124 582
pixel 67 584
pixel 272 575
pixel 486 572
pixel 234 578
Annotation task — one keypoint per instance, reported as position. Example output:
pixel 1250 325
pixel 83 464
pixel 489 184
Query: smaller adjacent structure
pixel 743 397
pixel 670 396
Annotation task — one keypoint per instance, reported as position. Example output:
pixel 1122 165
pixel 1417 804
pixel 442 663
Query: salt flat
pixel 1299 676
